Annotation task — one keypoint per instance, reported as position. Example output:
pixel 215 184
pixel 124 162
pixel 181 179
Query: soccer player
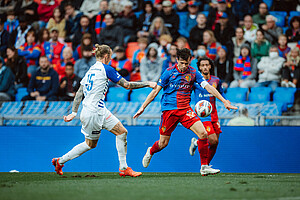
pixel 178 82
pixel 94 115
pixel 211 123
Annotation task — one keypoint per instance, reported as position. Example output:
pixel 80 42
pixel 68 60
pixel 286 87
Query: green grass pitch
pixel 89 186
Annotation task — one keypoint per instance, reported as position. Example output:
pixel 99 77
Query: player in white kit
pixel 95 116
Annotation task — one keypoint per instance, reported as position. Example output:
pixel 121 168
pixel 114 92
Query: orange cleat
pixel 129 172
pixel 58 167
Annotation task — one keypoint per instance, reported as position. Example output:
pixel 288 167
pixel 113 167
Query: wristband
pixel 74 113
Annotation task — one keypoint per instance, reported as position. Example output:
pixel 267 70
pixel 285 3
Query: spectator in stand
pixel 272 31
pixel 44 36
pixel 7 85
pixel 293 32
pixel 211 44
pixel 181 6
pixel 86 40
pixel 27 8
pixel 98 20
pixel 157 29
pixel 85 27
pixel 188 21
pixel 145 19
pixel 171 59
pixel 6 5
pixel 112 35
pixel 69 84
pixel 72 17
pixel 11 23
pixel 224 67
pixel 17 37
pixel 260 17
pixel 237 42
pixel 242 120
pixel 245 69
pixel 260 46
pixel 83 65
pixel 223 31
pixel 164 45
pixel 31 51
pixel 151 64
pixel 59 67
pixel 283 49
pixel 90 8
pixel 45 11
pixel 127 21
pixel 269 69
pixel 247 7
pixel 53 49
pixel 213 16
pixel 171 19
pixel 181 43
pixel 43 84
pixel 196 33
pixel 250 29
pixel 115 6
pixel 200 52
pixel 121 63
pixel 58 21
pixel 4 36
pixel 291 69
pixel 138 55
pixel 18 66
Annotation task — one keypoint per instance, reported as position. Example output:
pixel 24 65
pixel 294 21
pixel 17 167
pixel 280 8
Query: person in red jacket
pixel 45 11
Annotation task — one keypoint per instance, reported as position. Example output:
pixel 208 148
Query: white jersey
pixel 95 85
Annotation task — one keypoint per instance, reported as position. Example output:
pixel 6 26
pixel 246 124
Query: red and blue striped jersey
pixel 203 94
pixel 177 87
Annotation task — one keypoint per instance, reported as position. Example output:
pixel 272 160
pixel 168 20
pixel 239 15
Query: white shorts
pixel 93 123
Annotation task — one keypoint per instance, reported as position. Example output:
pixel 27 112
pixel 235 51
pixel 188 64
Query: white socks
pixel 121 144
pixel 78 150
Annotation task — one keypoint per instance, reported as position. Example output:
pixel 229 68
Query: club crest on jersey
pixel 214 85
pixel 188 77
pixel 208 129
pixel 163 129
pixel 190 113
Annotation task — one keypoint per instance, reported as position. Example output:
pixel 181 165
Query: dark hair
pixel 31 31
pixel 262 31
pixel 69 3
pixel 240 28
pixel 212 65
pixel 295 18
pixel 184 54
pixel 112 16
pixel 87 48
pixel 41 33
pixel 69 64
pixel 148 52
pixel 148 3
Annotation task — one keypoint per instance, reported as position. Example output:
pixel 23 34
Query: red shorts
pixel 212 127
pixel 170 118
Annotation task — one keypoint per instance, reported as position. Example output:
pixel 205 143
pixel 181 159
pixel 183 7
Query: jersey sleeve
pixel 112 74
pixel 164 79
pixel 200 79
pixel 221 90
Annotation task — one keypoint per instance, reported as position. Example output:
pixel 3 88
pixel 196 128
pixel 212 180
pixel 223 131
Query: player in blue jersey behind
pixel 211 123
pixel 177 82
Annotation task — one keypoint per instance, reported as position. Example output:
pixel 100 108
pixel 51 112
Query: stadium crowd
pixel 46 45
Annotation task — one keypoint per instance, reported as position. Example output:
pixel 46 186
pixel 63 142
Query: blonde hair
pixel 162 29
pixel 212 35
pixel 101 50
pixel 166 37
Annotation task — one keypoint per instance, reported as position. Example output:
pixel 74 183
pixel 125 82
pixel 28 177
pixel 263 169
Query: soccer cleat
pixel 193 147
pixel 147 158
pixel 207 170
pixel 129 172
pixel 58 167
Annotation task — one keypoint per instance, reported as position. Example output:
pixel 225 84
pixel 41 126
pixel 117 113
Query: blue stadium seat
pixel 260 94
pixel 138 13
pixel 58 108
pixel 43 122
pixel 153 108
pixel 284 29
pixel 11 108
pixel 127 108
pixel 61 122
pixel 285 96
pixel 237 94
pixel 280 15
pixel 21 92
pixel 269 3
pixel 292 14
pixel 34 107
pixel 271 109
pixel 140 95
pixel 205 13
pixel 16 122
pixel 117 94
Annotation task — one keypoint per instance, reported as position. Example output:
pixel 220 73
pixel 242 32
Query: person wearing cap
pixel 260 17
pixel 17 37
pixel 151 64
pixel 260 47
pixel 170 18
pixel 188 21
pixel 224 67
pixel 245 69
pixel 121 63
pixel 7 85
pixel 4 36
pixel 196 33
pixel 83 65
pixel 224 30
pixel 243 119
pixel 213 16
pixel 250 28
pixel 272 31
pixel 112 35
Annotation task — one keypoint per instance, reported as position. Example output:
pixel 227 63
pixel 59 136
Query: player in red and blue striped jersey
pixel 177 82
pixel 211 123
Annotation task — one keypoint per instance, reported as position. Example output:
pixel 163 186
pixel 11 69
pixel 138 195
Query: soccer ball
pixel 203 108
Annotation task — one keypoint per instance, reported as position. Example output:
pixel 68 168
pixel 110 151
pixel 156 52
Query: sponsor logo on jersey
pixel 95 132
pixel 179 86
pixel 188 77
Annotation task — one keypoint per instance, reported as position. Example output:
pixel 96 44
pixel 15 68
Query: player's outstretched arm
pixel 215 92
pixel 76 103
pixel 135 85
pixel 149 99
